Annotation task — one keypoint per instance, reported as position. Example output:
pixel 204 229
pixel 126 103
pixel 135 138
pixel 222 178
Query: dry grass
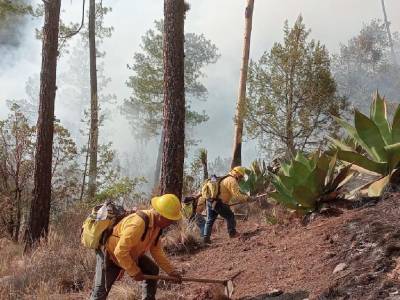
pixel 58 266
pixel 125 290
pixel 183 238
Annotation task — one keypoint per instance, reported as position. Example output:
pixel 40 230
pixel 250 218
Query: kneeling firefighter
pixel 130 239
pixel 219 191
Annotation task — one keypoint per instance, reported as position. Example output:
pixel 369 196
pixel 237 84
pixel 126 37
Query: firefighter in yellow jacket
pixel 228 190
pixel 130 240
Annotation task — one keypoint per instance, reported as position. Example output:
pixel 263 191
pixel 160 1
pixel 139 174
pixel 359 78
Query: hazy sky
pixel 331 21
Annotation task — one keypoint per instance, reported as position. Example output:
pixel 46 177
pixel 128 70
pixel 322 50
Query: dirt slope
pixel 300 260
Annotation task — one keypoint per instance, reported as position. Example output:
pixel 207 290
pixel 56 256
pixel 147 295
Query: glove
pixel 177 275
pixel 138 276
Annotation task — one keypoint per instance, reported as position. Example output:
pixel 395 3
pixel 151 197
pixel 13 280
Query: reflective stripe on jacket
pixel 125 245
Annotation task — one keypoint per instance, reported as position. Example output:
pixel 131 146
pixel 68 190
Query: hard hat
pixel 168 206
pixel 239 171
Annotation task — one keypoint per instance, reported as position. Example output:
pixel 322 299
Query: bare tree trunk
pixel 38 224
pixel 94 108
pixel 85 169
pixel 388 32
pixel 158 164
pixel 18 216
pixel 241 102
pixel 174 98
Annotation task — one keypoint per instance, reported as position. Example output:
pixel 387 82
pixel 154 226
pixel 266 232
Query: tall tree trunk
pixel 241 102
pixel 85 169
pixel 94 107
pixel 174 98
pixel 157 170
pixel 388 32
pixel 38 224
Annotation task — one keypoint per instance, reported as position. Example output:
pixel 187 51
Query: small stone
pixel 340 267
pixel 274 293
pixel 330 254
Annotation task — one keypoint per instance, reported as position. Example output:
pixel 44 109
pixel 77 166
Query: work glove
pixel 138 276
pixel 177 275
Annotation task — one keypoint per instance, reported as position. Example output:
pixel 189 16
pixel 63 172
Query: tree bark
pixel 38 224
pixel 85 169
pixel 157 171
pixel 241 102
pixel 388 32
pixel 174 98
pixel 94 108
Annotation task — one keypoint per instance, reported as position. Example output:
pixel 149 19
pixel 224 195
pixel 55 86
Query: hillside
pixel 300 260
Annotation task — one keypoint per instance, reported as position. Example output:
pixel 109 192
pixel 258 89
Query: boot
pixel 206 240
pixel 234 234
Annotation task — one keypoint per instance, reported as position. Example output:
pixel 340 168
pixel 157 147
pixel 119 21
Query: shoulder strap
pixel 219 184
pixel 146 220
pixel 158 236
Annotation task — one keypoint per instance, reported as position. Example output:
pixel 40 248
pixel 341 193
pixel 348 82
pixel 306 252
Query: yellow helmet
pixel 168 206
pixel 239 171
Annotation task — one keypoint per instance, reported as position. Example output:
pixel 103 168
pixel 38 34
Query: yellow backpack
pixel 99 224
pixel 211 188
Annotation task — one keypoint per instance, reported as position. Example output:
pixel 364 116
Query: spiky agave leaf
pixel 377 187
pixel 363 162
pixel 379 117
pixel 371 136
pixel 379 140
pixel 396 126
pixel 305 181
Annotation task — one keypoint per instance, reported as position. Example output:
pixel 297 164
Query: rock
pixel 339 268
pixel 274 293
pixel 329 254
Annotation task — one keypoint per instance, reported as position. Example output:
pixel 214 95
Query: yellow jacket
pixel 125 245
pixel 229 190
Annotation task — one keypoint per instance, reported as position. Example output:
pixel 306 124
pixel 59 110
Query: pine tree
pixel 174 98
pixel 38 224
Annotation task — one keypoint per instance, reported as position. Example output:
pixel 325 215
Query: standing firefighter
pixel 131 238
pixel 219 191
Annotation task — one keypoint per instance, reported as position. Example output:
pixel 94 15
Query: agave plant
pixel 306 181
pixel 379 140
pixel 257 180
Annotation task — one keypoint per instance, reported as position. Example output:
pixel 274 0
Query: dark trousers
pixel 104 279
pixel 224 211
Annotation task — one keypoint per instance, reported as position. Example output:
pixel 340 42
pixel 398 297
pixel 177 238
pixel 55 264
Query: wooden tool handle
pixel 170 278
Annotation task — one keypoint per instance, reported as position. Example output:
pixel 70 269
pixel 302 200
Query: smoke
pixel 223 26
pixel 13 23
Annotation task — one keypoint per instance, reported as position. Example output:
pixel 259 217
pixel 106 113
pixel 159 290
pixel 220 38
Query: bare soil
pixel 300 259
